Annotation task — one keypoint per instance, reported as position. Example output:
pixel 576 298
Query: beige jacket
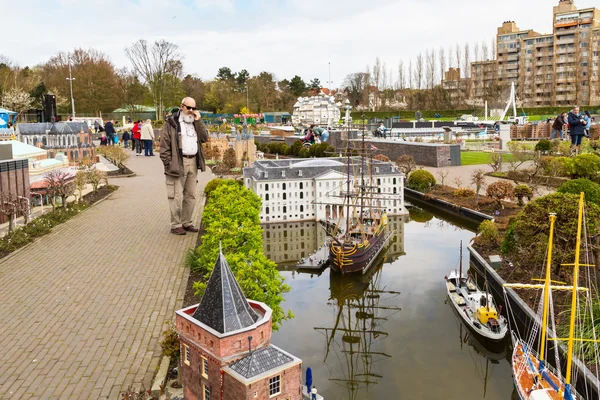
pixel 147 132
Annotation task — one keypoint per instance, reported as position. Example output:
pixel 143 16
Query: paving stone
pixel 89 300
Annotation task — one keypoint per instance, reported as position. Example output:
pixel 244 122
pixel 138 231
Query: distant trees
pixel 159 66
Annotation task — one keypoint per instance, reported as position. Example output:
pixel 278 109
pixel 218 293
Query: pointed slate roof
pixel 260 361
pixel 224 307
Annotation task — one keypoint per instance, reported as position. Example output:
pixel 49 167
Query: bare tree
pixel 8 208
pixel 450 57
pixel 478 179
pixel 155 64
pixel 401 76
pixel 430 67
pixel 376 74
pixel 443 173
pixel 485 51
pixel 493 48
pixel 442 62
pixel 467 61
pixel 419 71
pixel 476 52
pixel 411 78
pixel 458 181
pixel 459 57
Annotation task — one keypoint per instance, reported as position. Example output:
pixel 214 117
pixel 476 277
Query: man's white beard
pixel 189 119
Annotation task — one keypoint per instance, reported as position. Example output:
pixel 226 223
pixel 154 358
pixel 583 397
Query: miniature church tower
pixel 226 350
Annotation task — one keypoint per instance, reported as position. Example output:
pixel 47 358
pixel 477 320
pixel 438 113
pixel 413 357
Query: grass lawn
pixel 479 157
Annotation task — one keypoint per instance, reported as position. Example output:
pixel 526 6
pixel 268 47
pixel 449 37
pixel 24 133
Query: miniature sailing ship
pixel 360 235
pixel 475 307
pixel 361 309
pixel 534 378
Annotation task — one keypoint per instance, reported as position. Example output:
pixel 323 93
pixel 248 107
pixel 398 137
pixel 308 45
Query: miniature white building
pixel 321 110
pixel 309 189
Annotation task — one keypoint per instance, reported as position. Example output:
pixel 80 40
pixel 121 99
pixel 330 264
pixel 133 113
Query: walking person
pixel 577 126
pixel 126 139
pixel 588 123
pixel 147 137
pixel 182 155
pixel 110 132
pixel 96 126
pixel 557 126
pixel 137 137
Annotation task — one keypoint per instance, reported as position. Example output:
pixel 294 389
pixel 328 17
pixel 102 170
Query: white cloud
pixel 225 5
pixel 284 37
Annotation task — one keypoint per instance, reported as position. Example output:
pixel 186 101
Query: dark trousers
pixel 148 147
pixel 576 140
pixel 125 144
pixel 138 146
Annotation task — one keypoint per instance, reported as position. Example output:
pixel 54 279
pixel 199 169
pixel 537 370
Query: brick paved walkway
pixel 82 309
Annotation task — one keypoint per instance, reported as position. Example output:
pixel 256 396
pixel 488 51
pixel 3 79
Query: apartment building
pixel 560 68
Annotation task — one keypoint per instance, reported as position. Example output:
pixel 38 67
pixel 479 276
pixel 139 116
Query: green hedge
pixel 231 219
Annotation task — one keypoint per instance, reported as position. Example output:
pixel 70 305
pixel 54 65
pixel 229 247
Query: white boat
pixel 476 308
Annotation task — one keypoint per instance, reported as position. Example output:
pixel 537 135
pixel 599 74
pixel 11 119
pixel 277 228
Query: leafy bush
pixel 212 185
pixel 38 227
pixel 527 237
pixel 464 192
pixel 586 165
pixel 501 191
pixel 488 233
pixel 576 186
pixel 523 191
pixel 544 145
pixel 231 220
pixel 558 166
pixel 421 180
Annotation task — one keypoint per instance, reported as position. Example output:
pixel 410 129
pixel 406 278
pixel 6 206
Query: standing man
pixel 577 128
pixel 182 155
pixel 148 138
pixel 110 131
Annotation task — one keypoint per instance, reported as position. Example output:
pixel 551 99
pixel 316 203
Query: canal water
pixel 388 334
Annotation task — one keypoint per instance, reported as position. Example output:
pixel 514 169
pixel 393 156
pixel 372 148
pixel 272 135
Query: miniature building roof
pixel 55 128
pixel 260 361
pixel 224 307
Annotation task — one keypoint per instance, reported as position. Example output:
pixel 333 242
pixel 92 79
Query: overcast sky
pixel 285 37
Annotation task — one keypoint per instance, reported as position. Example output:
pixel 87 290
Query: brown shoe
pixel 178 231
pixel 191 228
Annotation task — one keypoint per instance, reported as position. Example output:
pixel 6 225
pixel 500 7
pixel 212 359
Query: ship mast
pixel 546 293
pixel 347 197
pixel 576 265
pixel 362 168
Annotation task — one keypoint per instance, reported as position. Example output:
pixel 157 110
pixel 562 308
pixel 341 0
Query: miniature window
pixel 186 354
pixel 275 385
pixel 206 393
pixel 205 368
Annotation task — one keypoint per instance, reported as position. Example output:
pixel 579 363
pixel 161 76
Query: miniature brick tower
pixel 226 350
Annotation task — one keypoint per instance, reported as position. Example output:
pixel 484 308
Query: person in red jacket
pixel 137 135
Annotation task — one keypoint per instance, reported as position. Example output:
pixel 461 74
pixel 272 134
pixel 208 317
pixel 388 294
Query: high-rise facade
pixel 558 69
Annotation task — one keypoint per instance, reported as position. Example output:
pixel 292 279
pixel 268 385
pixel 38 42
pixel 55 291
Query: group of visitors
pixel 315 134
pixel 141 137
pixel 578 125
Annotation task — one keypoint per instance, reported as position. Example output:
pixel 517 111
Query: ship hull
pixel 355 258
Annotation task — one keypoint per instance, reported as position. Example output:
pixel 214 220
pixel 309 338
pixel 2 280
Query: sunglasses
pixel 189 108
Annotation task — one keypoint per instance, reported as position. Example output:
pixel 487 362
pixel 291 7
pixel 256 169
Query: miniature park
pixel 351 243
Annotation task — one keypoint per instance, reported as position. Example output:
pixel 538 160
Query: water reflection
pixel 286 243
pixel 377 352
pixel 353 352
pixel 486 355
